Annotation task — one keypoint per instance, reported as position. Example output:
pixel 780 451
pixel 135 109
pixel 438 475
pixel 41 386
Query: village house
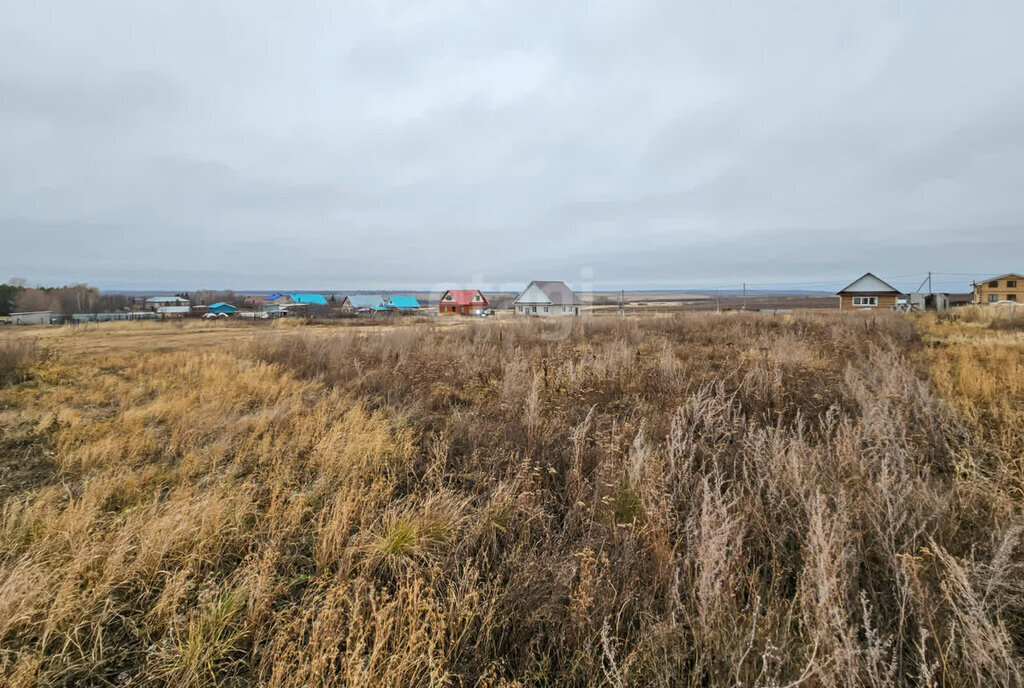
pixel 1008 287
pixel 400 304
pixel 868 292
pixel 277 299
pixel 461 301
pixel 154 303
pixel 309 299
pixel 544 299
pixel 362 303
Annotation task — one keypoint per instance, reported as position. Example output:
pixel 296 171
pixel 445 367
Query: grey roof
pixel 166 299
pixel 365 300
pixel 558 293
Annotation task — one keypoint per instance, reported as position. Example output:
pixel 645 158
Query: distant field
pixel 814 499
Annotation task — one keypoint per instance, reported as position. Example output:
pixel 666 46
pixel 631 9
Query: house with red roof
pixel 461 301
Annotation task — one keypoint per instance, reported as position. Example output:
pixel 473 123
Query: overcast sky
pixel 333 145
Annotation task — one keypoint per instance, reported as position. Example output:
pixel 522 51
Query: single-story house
pixel 461 301
pixel 155 302
pixel 31 318
pixel 1002 288
pixel 173 311
pixel 867 292
pixel 401 304
pixel 363 303
pixel 277 299
pixel 309 299
pixel 547 298
pixel 221 307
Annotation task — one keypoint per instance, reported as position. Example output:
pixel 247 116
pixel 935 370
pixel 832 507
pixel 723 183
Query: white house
pixel 547 299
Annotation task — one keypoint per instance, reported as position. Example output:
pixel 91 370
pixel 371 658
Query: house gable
pixel 869 284
pixel 533 294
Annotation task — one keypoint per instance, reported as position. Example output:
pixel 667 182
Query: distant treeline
pixel 16 297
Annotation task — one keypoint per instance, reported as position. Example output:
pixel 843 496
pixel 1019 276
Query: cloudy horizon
pixel 653 144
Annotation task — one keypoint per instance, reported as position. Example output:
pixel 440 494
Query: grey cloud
pixel 384 144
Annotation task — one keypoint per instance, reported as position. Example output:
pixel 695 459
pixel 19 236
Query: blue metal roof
pixel 221 306
pixel 404 302
pixel 272 297
pixel 315 299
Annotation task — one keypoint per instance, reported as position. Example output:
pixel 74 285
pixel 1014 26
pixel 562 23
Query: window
pixel 992 298
pixel 994 284
pixel 865 300
pixel 1011 284
pixel 1011 297
pixel 545 309
pixel 534 309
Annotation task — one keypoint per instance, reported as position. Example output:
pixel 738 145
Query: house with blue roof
pixel 310 299
pixel 402 304
pixel 277 299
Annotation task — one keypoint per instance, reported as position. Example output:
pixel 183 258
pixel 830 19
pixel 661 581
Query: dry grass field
pixel 816 499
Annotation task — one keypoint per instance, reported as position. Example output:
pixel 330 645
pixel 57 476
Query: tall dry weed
pixel 694 500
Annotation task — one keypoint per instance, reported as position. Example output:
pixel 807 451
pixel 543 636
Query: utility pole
pixel 744 296
pixel 718 300
pixel 929 281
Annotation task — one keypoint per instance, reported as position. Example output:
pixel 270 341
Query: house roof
pixel 1016 275
pixel 220 304
pixel 869 284
pixel 365 300
pixel 463 297
pixel 315 299
pixel 273 296
pixel 166 299
pixel 555 293
pixel 399 301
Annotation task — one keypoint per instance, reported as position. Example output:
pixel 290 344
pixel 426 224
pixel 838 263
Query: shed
pixel 31 318
pixel 221 307
pixel 547 298
pixel 461 301
pixel 173 311
pixel 867 292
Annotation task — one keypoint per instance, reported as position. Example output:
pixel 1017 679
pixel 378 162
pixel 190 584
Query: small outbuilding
pixel 221 307
pixel 173 311
pixel 461 301
pixel 31 318
pixel 868 292
pixel 546 299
